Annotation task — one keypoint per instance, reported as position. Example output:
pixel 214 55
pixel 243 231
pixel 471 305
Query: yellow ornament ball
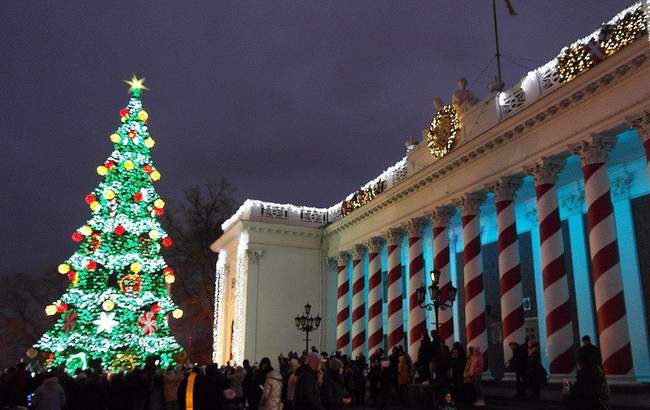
pixel 143 116
pixel 159 203
pixel 115 138
pixel 108 305
pixel 149 142
pixel 109 194
pixel 94 206
pixel 50 310
pixel 155 176
pixel 153 234
pixel 64 268
pixel 102 170
pixel 170 279
pixel 128 165
pixel 177 313
pixel 135 267
pixel 85 230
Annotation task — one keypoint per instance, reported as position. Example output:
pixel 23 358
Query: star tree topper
pixel 136 85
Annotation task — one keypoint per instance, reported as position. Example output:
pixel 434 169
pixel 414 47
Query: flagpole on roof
pixel 498 84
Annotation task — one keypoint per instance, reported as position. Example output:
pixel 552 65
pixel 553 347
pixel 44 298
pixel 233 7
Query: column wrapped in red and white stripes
pixel 375 296
pixel 557 312
pixel 343 305
pixel 512 311
pixel 475 324
pixel 417 320
pixel 395 322
pixel 611 318
pixel 358 302
pixel 440 219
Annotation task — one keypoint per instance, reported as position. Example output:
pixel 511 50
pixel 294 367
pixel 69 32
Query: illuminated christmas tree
pixel 117 305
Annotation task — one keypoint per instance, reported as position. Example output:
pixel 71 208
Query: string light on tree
pixel 118 281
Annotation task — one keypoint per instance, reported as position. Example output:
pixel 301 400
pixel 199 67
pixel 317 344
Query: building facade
pixel 534 202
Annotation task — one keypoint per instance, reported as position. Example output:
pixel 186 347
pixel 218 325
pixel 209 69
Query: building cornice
pixel 562 101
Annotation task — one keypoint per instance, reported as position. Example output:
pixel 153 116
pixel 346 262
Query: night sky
pixel 291 101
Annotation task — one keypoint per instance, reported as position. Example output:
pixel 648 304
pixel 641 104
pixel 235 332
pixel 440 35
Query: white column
pixel 573 204
pixel 620 189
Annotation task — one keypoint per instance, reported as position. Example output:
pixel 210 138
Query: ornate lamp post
pixel 438 300
pixel 307 323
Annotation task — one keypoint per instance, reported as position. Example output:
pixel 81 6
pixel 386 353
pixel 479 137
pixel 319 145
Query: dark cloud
pixel 292 101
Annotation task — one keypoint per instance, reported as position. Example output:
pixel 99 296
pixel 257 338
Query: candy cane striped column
pixel 358 302
pixel 512 311
pixel 440 219
pixel 395 325
pixel 559 326
pixel 417 322
pixel 343 305
pixel 611 318
pixel 475 325
pixel 375 296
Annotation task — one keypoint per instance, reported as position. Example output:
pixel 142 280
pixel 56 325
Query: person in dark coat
pixel 589 354
pixel 535 373
pixel 215 384
pixel 518 366
pixel 49 395
pixel 457 361
pixel 590 391
pixel 307 389
pixel 333 394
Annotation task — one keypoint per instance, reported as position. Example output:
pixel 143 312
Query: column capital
pixel 641 123
pixel 595 149
pixel 574 202
pixel 545 170
pixel 414 226
pixel 375 243
pixel 332 262
pixel 358 251
pixel 441 216
pixel 620 187
pixel 470 203
pixel 343 258
pixel 505 188
pixel 254 255
pixel 394 236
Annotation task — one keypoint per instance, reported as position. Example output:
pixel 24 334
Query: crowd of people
pixel 310 381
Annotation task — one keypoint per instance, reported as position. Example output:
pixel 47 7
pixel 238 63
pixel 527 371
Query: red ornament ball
pixel 110 164
pixel 147 168
pixel 168 271
pixel 91 265
pixel 167 242
pixel 132 134
pixel 90 198
pixel 137 197
pixel 155 308
pixel 71 274
pixel 61 307
pixel 124 112
pixel 119 230
pixel 77 237
pixel 159 211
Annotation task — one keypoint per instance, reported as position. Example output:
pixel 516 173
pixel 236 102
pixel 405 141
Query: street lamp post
pixel 307 323
pixel 439 301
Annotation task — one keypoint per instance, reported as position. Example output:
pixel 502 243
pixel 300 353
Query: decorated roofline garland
pixel 620 31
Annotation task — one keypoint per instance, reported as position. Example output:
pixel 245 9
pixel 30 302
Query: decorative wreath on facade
pixel 442 132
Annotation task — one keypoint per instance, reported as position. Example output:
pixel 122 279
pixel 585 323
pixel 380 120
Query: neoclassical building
pixel 533 202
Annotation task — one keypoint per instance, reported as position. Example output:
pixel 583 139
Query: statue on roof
pixel 463 98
